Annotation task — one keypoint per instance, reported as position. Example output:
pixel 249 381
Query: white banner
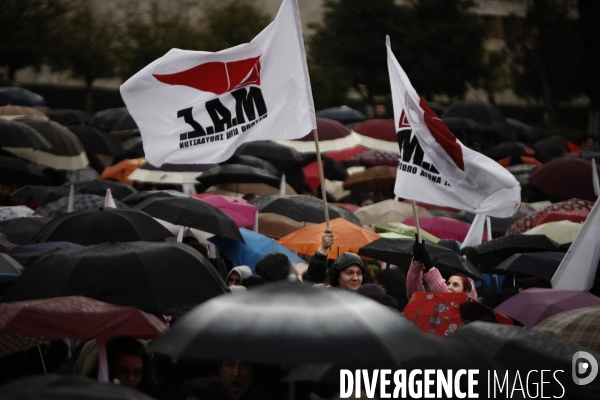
pixel 198 107
pixel 434 167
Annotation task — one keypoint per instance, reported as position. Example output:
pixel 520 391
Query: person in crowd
pixel 129 363
pixel 436 283
pixel 273 267
pixel 486 294
pixel 393 282
pixel 211 388
pixel 238 274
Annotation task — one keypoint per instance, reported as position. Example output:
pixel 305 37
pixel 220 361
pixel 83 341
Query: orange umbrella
pixel 348 237
pixel 119 172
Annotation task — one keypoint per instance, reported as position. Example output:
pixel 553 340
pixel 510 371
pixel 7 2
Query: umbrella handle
pixel 414 207
pixel 321 178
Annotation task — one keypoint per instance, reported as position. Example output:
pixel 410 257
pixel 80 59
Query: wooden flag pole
pixel 414 207
pixel 322 178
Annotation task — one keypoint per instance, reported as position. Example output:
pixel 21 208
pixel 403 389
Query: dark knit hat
pixel 341 263
pixel 273 267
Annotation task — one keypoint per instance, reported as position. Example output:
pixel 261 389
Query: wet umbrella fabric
pixel 67 387
pixel 81 202
pixel 38 247
pixel 443 227
pixel 142 195
pixel 282 157
pixel 277 226
pixel 252 161
pixel 82 174
pixel 560 231
pixel 508 149
pixel 531 264
pixel 387 211
pixel 301 208
pixel 534 305
pixel 19 96
pixel 192 213
pixel 492 253
pixel 10 269
pixel 69 117
pixel 11 111
pixel 235 173
pixel 377 158
pixel 378 134
pixel 485 114
pixel 371 179
pixel 21 171
pixel 524 223
pixel 169 173
pixel 96 142
pixel 99 187
pixel 550 147
pixel 17 134
pixel 580 326
pixel 239 210
pixel 565 178
pixel 21 230
pixel 106 119
pixel 11 212
pixel 522 130
pixel 42 194
pixel 163 278
pixel 400 252
pixel 102 225
pixel 462 126
pixel 343 114
pixel 293 323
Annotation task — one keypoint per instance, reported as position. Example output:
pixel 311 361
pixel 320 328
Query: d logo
pixel 583 362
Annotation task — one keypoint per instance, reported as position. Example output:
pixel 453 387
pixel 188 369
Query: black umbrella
pixel 399 252
pixel 98 187
pixel 521 130
pixel 517 349
pixel 142 195
pixel 234 173
pixel 102 225
pixel 80 202
pixel 252 161
pixel 28 254
pixel 462 126
pixel 193 213
pixel 67 387
pixel 437 107
pixel 41 194
pixel 68 117
pixel 125 123
pixel 550 147
pixel 301 208
pixel 20 171
pixel 96 142
pixel 492 253
pixel 159 278
pixel 343 114
pixel 134 147
pixel 282 157
pixel 586 154
pixel 487 115
pixel 532 264
pixel 10 269
pixel 18 96
pixel 17 134
pixel 21 230
pixel 508 149
pixel 106 119
pixel 294 323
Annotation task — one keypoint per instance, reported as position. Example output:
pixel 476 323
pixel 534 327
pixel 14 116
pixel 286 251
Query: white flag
pixel 595 180
pixel 475 235
pixel 198 107
pixel 578 268
pixel 435 167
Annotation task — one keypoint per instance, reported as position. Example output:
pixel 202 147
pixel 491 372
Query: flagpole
pixel 321 177
pixel 414 207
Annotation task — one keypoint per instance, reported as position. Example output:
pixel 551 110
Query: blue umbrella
pixel 18 96
pixel 256 247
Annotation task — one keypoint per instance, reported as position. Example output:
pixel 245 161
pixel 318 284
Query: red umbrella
pixel 378 134
pixel 565 178
pixel 525 223
pixel 24 324
pixel 443 227
pixel 563 215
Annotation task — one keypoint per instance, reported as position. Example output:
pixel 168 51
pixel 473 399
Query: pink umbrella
pixel 443 227
pixel 238 209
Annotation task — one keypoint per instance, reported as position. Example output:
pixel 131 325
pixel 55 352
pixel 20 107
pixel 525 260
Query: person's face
pixel 455 284
pixel 588 143
pixel 234 279
pixel 237 375
pixel 129 369
pixel 351 278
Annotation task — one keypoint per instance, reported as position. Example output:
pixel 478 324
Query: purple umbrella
pixel 534 305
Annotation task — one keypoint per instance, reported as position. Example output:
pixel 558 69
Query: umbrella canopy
pixel 239 210
pixel 282 157
pixel 407 230
pixel 400 252
pixel 235 173
pixel 99 187
pixel 487 115
pixel 81 202
pixel 293 323
pixel 560 231
pixel 565 178
pixel 348 238
pixel 155 277
pixel 376 158
pixel 508 149
pixel 562 215
pixel 378 134
pixel 551 147
pixel 125 123
pixel 142 195
pixel 169 173
pixel 67 387
pixel 120 171
pixel 21 230
pixel 96 142
pixel 387 211
pixel 580 326
pixel 11 212
pixel 28 254
pixel 521 130
pixel 82 174
pixel 20 171
pixel 102 225
pixel 342 114
pixel 533 305
pixel 73 317
pixel 531 264
pixel 301 208
pixel 525 223
pixel 106 119
pixel 586 154
pixel 134 146
pixel 277 226
pixel 19 96
pixel 463 126
pixel 17 134
pixel 252 161
pixel 443 227
pixel 66 153
pixel 240 189
pixel 10 269
pixel 193 213
pixel 332 170
pixel 518 160
pixel 42 194
pixel 13 111
pixel 256 246
pixel 492 253
pixel 371 179
pixel 69 117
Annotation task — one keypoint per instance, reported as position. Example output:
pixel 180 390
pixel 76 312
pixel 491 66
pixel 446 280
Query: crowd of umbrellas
pixel 96 243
